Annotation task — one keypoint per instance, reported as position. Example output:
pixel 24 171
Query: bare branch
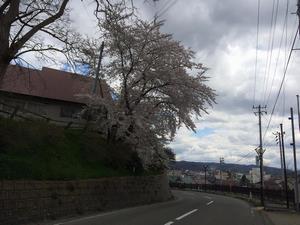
pixel 33 49
pixel 4 6
pixel 16 46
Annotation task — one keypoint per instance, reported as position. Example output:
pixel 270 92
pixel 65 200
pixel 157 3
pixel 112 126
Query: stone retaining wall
pixel 22 202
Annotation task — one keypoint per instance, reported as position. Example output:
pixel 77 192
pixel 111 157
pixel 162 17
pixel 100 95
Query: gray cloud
pixel 223 35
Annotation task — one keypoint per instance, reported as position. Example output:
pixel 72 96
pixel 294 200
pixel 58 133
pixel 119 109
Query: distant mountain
pixel 198 166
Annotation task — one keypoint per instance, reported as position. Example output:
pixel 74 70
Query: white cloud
pixel 223 35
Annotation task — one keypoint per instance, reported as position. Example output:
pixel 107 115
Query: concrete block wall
pixel 24 202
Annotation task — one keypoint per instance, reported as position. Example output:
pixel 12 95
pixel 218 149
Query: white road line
pixel 209 203
pixel 169 223
pixel 87 218
pixel 188 213
pixel 252 212
pixel 207 197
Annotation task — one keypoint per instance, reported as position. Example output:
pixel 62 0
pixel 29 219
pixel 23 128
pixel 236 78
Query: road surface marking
pixel 87 218
pixel 207 197
pixel 211 202
pixel 188 213
pixel 169 223
pixel 252 212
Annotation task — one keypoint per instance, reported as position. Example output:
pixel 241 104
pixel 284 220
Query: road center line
pixel 209 203
pixel 169 223
pixel 188 213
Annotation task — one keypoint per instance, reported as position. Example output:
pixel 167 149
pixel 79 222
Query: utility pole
pixel 278 141
pixel 298 14
pixel 221 163
pixel 284 166
pixel 260 152
pixel 94 88
pixel 98 71
pixel 205 171
pixel 295 161
pixel 298 110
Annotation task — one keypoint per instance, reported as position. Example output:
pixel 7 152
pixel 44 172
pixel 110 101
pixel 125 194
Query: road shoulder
pixel 282 218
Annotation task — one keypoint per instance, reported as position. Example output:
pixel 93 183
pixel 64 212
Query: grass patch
pixel 38 150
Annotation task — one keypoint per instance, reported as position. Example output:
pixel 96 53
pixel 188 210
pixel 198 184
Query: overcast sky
pixel 223 35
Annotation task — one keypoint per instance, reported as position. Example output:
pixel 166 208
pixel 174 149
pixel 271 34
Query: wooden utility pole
pixel 94 88
pixel 298 14
pixel 98 71
pixel 295 161
pixel 298 109
pixel 221 163
pixel 260 152
pixel 284 166
pixel 205 171
pixel 278 141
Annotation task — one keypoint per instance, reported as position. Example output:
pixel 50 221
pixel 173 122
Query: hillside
pixel 198 166
pixel 38 150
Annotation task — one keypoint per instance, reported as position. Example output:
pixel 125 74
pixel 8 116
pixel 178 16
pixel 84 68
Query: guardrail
pixel 274 196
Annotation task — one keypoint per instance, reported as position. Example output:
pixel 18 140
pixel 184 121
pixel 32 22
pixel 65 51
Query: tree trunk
pixel 112 134
pixel 3 69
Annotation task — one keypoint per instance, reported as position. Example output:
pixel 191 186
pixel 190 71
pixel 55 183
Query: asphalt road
pixel 189 208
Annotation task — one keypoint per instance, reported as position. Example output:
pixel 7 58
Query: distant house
pixel 48 92
pixel 254 176
pixel 273 184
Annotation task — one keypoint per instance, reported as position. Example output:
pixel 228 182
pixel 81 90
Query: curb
pixel 265 217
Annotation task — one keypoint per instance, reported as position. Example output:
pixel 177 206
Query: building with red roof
pixel 52 93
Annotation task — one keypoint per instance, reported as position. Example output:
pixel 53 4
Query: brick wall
pixel 22 202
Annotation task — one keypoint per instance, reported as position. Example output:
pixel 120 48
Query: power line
pixel 282 81
pixel 278 55
pixel 285 60
pixel 163 7
pixel 267 71
pixel 162 12
pixel 257 35
pixel 269 46
pixel 242 157
pixel 283 102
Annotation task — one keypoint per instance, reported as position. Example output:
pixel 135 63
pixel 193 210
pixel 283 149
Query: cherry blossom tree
pixel 156 85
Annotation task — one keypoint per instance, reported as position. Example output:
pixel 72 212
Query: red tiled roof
pixel 48 83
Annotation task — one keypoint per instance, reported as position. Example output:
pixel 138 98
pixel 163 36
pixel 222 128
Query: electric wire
pixel 281 83
pixel 242 157
pixel 256 54
pixel 163 7
pixel 278 55
pixel 166 9
pixel 285 60
pixel 285 63
pixel 271 53
pixel 283 102
pixel 269 47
